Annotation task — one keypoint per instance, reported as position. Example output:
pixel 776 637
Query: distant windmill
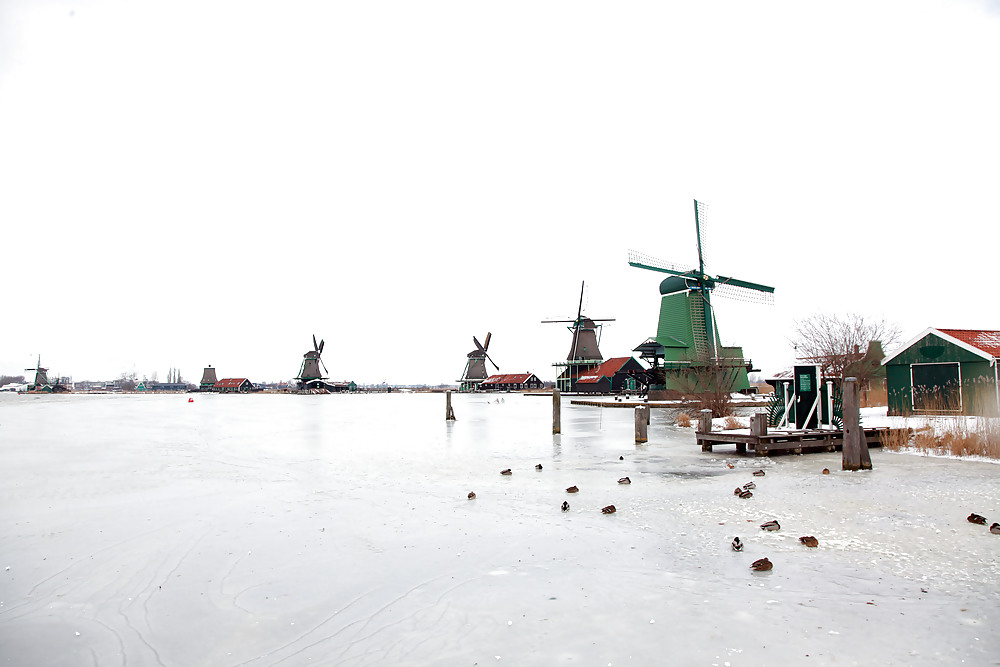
pixel 584 352
pixel 41 376
pixel 687 330
pixel 475 368
pixel 309 376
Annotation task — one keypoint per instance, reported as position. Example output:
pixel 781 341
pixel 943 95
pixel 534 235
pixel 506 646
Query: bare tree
pixel 843 346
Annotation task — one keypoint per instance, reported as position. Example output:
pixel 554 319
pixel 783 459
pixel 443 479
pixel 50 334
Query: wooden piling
pixel 449 413
pixel 758 424
pixel 705 426
pixel 855 452
pixel 640 424
pixel 556 412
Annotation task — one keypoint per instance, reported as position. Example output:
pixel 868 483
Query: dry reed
pixel 731 424
pixel 954 436
pixel 683 420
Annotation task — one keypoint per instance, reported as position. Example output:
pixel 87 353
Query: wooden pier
pixel 785 441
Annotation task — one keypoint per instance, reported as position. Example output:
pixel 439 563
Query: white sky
pixel 191 183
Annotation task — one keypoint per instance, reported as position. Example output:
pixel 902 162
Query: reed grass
pixel 954 436
pixel 683 420
pixel 731 424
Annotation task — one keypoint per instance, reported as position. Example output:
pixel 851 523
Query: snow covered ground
pixel 336 530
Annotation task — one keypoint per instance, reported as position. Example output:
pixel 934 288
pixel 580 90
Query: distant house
pixel 945 371
pixel 233 386
pixel 341 386
pixel 612 376
pixel 510 382
pixel 166 386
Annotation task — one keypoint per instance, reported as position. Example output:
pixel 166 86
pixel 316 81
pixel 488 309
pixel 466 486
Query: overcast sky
pixel 191 183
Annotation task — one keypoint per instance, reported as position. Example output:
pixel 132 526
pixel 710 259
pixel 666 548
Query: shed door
pixel 936 387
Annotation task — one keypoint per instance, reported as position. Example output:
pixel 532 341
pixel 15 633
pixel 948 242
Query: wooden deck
pixel 783 441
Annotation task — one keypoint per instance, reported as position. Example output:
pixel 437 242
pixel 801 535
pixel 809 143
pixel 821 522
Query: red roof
pixel 510 378
pixel 605 370
pixel 229 382
pixel 987 341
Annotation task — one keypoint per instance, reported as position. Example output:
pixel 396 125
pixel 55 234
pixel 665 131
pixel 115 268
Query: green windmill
pixel 687 336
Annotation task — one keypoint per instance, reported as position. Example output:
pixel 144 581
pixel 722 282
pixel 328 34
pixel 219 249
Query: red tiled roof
pixel 987 341
pixel 607 369
pixel 229 382
pixel 510 378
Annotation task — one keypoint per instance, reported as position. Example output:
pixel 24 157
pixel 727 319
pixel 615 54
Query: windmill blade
pixel 580 307
pixel 558 321
pixel 492 362
pixel 321 343
pixel 487 345
pixel 651 263
pixel 700 220
pixel 324 366
pixel 315 347
pixel 478 344
pixel 741 290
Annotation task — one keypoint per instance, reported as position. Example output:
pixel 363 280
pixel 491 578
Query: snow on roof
pixel 509 378
pixel 980 342
pixel 606 369
pixel 987 341
pixel 229 382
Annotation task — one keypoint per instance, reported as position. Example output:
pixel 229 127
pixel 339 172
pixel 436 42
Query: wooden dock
pixel 785 441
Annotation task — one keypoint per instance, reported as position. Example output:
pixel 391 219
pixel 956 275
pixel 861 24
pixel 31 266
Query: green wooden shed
pixel 945 371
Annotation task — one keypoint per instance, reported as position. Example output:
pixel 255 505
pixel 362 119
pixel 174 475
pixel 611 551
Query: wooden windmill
pixel 475 368
pixel 41 377
pixel 687 331
pixel 584 351
pixel 309 376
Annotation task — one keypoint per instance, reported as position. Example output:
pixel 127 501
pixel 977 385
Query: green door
pixel 936 387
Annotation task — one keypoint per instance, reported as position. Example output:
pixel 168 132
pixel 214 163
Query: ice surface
pixel 336 530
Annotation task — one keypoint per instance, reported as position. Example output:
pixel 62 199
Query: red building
pixel 510 382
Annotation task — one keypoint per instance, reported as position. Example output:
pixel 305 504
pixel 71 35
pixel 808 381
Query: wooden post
pixel 758 424
pixel 640 424
pixel 855 452
pixel 649 411
pixel 556 410
pixel 705 422
pixel 449 414
pixel 705 426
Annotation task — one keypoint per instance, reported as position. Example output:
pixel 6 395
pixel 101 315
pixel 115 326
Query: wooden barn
pixel 613 376
pixel 510 382
pixel 945 371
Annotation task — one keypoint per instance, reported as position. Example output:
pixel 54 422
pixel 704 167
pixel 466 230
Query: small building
pixel 166 386
pixel 945 371
pixel 233 386
pixel 510 382
pixel 341 386
pixel 614 375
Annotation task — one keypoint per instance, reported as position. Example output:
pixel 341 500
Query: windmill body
pixel 475 366
pixel 41 382
pixel 584 351
pixel 687 336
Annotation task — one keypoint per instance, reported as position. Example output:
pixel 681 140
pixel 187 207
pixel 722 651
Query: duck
pixel 762 565
pixel 572 489
pixel 770 525
pixel 565 506
pixel 977 519
pixel 621 458
pixel 737 491
pixel 809 541
pixel 749 485
pixel 758 473
pixel 624 480
pixel 472 495
pixel 995 529
pixel 730 466
pixel 610 509
pixel 746 493
pixel 538 466
pixel 506 471
pixel 826 471
pixel 737 545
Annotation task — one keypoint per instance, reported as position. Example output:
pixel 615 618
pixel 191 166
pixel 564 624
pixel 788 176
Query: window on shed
pixel 936 387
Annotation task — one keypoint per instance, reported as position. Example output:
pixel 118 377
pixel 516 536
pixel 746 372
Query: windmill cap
pixel 673 284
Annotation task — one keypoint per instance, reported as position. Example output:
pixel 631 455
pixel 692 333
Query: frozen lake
pixel 335 530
